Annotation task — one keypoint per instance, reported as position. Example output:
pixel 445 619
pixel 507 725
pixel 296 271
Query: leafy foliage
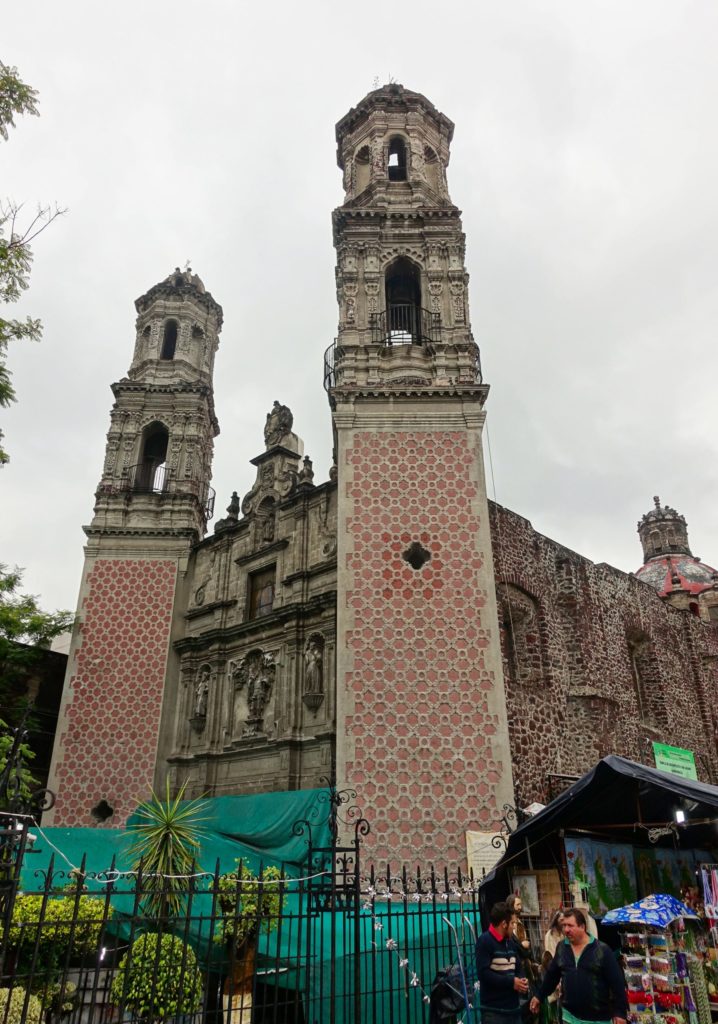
pixel 22 621
pixel 158 978
pixel 165 843
pixel 25 780
pixel 247 905
pixel 12 1005
pixel 42 937
pixel 16 98
pixel 53 930
pixel 25 631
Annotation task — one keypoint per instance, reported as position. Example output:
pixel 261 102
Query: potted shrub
pixel 249 904
pixel 13 1009
pixel 69 926
pixel 158 979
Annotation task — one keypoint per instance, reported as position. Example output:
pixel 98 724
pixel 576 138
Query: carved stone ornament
pixel 256 674
pixel 279 424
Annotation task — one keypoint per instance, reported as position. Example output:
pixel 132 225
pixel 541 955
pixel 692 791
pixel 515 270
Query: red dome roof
pixel 668 573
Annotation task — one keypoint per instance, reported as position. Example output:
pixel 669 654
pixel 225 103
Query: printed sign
pixel 675 760
pixel 481 854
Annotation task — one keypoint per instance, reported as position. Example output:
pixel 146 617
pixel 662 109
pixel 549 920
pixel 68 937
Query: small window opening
pixel 102 811
pixel 693 608
pixel 416 555
pixel 397 159
pixel 261 592
pixel 169 340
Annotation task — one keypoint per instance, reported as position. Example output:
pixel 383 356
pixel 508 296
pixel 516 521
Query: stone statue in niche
pixel 279 424
pixel 314 665
pixel 256 673
pixel 268 527
pixel 201 693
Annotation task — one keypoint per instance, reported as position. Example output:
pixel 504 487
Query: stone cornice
pixel 206 609
pixel 268 624
pixel 255 556
pixel 307 574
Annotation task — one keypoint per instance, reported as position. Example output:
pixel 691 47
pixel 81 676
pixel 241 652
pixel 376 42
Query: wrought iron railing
pixel 405 324
pixel 149 478
pixel 339 942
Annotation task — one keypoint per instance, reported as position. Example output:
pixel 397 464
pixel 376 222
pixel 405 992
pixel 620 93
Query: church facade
pixel 389 627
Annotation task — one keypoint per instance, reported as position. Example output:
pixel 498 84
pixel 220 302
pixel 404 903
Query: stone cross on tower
pixel 422 731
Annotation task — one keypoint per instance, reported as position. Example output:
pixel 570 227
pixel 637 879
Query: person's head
pixel 514 902
pixel 500 918
pixel 556 921
pixel 574 925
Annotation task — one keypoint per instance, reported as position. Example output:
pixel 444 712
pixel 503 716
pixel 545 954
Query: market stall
pixel 665 950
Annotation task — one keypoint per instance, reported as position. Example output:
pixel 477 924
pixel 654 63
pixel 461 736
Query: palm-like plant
pixel 165 843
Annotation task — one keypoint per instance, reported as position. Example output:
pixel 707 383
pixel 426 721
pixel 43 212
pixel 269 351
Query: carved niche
pixel 313 690
pixel 252 686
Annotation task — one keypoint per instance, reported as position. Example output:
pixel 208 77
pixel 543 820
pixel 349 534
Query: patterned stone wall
pixel 111 710
pixel 422 730
pixel 595 662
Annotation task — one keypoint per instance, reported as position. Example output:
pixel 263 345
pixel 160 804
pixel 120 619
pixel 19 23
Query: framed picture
pixel 525 885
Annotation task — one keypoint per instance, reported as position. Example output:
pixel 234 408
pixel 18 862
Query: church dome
pixel 669 564
pixel 678 572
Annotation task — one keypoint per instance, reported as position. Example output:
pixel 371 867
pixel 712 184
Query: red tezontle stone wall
pixel 111 717
pixel 604 665
pixel 421 728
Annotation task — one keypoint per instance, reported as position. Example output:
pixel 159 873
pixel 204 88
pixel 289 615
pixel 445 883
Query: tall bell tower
pixel 422 730
pixel 152 504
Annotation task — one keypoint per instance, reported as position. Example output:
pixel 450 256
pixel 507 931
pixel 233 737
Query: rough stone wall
pixel 109 720
pixel 423 728
pixel 595 662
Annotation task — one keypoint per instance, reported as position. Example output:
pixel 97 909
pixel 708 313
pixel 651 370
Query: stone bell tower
pixel 422 730
pixel 152 504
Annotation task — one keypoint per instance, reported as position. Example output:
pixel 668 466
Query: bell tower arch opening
pixel 152 468
pixel 169 340
pixel 397 164
pixel 402 284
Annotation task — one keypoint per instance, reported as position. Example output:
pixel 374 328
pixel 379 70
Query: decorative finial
pixel 656 501
pixel 233 507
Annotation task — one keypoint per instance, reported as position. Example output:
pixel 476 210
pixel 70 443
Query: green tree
pixel 166 837
pixel 25 632
pixel 16 99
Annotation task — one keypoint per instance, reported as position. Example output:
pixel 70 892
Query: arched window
pixel 403 303
pixel 397 159
pixel 362 169
pixel 431 169
pixel 151 474
pixel 169 340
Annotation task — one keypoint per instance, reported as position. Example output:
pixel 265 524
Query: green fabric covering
pixel 312 955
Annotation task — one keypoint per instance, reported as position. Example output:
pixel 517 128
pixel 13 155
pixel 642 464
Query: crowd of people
pixel 576 981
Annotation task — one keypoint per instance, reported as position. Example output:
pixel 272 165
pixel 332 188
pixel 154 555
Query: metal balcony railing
pixel 149 478
pixel 405 324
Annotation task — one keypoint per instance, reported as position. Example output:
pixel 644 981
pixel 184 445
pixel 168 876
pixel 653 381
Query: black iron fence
pixel 324 943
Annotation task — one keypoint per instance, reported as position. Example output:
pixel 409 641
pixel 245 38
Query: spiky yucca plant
pixel 165 843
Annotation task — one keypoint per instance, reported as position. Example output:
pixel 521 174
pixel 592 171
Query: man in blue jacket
pixel 499 970
pixel 593 988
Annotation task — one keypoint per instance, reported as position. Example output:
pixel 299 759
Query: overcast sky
pixel 585 160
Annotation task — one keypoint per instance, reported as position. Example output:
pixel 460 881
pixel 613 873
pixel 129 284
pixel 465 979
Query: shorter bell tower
pixel 151 506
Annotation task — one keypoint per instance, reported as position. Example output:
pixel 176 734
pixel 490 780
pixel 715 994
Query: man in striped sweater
pixel 499 970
